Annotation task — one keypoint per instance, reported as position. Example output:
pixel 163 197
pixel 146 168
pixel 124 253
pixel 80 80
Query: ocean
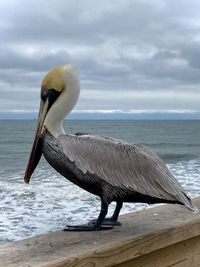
pixel 50 202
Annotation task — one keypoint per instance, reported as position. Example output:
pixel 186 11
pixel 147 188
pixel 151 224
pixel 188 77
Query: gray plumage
pixel 113 169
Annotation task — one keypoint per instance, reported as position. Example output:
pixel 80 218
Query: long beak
pixel 36 151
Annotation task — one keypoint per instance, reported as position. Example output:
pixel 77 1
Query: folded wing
pixel 123 165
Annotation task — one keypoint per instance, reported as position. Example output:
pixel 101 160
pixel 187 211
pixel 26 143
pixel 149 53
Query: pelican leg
pixel 95 226
pixel 115 215
pixel 113 219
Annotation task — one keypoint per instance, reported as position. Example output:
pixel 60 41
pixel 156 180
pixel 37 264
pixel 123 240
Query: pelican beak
pixel 36 151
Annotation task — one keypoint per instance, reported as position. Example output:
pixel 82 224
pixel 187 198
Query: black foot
pixel 86 227
pixel 106 221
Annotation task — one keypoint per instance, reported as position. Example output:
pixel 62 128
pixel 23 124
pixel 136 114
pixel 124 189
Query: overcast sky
pixel 133 56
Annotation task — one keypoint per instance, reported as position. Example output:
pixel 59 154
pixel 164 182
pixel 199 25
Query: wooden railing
pixel 164 236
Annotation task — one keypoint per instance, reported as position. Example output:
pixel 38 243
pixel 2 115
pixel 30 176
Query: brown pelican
pixel 110 168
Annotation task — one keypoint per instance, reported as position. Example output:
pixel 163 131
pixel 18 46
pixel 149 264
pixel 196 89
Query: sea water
pixel 50 201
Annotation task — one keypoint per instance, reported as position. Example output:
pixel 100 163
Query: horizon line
pixel 115 115
pixel 111 111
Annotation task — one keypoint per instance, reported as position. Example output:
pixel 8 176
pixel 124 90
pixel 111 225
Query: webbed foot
pixel 106 221
pixel 87 227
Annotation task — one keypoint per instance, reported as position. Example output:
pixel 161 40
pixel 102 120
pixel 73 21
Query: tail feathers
pixel 192 208
pixel 188 204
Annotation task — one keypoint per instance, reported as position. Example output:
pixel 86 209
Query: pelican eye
pixel 51 94
pixel 44 95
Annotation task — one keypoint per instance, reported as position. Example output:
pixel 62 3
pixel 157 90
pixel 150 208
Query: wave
pixel 175 152
pixel 181 145
pixel 177 157
pixel 188 174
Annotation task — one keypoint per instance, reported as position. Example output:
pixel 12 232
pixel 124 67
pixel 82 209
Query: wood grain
pixel 182 254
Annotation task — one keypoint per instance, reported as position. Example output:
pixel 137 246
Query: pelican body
pixel 111 169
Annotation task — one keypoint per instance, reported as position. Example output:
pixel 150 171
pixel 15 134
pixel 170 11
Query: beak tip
pixel 26 180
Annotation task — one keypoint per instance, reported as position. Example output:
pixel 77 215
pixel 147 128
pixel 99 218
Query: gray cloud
pixel 33 61
pixel 122 45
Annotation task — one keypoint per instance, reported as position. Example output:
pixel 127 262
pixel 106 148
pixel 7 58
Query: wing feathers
pixel 122 165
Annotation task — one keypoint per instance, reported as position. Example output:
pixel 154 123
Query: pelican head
pixel 59 94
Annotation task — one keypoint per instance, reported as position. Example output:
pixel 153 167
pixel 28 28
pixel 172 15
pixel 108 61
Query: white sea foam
pixel 188 174
pixel 49 202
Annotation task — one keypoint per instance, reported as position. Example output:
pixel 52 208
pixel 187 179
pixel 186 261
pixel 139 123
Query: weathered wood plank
pixel 140 240
pixel 182 254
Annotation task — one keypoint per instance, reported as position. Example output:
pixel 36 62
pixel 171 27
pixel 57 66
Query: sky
pixel 135 58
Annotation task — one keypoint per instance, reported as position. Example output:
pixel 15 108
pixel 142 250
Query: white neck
pixel 63 105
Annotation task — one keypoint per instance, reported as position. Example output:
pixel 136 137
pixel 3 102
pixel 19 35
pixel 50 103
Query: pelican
pixel 111 169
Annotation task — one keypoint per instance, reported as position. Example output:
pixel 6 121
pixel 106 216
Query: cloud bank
pixel 131 55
